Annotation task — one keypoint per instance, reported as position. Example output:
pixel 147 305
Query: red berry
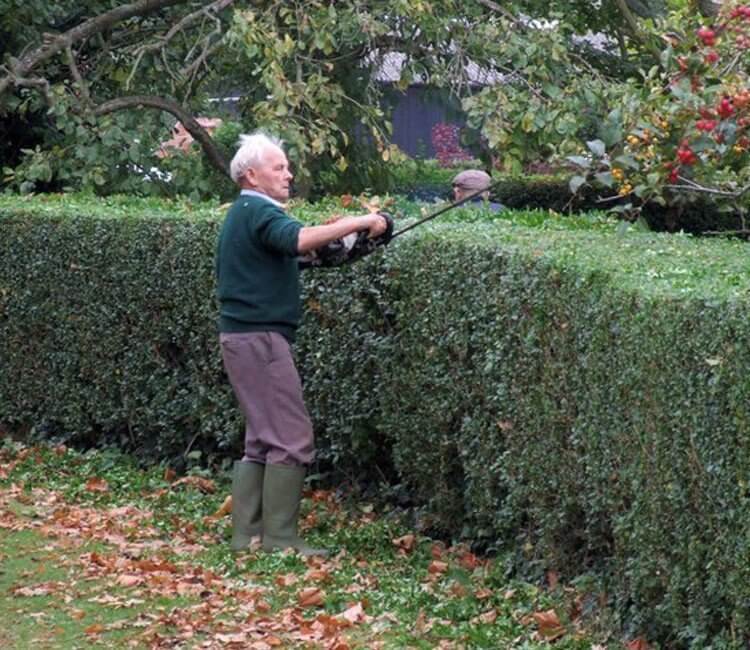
pixel 725 108
pixel 712 57
pixel 706 125
pixel 707 35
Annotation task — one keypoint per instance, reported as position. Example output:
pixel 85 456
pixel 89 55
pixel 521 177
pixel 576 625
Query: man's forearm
pixel 312 237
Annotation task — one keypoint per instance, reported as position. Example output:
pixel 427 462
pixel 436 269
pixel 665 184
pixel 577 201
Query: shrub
pixel 586 391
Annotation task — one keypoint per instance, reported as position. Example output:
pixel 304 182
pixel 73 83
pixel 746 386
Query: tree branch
pixel 54 44
pixel 76 74
pixel 493 6
pixel 189 122
pixel 631 21
pixel 179 27
pixel 692 186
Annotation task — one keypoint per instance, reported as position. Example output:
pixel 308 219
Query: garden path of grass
pixel 95 552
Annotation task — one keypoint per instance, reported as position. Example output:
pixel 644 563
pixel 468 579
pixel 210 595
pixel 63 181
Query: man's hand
pixel 376 225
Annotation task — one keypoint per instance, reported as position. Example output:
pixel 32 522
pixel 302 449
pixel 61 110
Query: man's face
pixel 459 192
pixel 272 176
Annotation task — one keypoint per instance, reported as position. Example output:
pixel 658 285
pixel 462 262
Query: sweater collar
pixel 262 196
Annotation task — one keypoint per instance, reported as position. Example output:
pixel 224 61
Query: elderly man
pixel 471 181
pixel 259 296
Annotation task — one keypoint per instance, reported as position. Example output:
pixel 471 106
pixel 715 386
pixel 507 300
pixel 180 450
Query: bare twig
pixel 76 74
pixel 41 84
pixel 731 65
pixel 55 44
pixel 502 11
pixel 189 122
pixel 179 27
pixel 632 23
pixel 692 186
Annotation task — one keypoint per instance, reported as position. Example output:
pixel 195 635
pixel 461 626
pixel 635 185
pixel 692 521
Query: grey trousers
pixel 266 383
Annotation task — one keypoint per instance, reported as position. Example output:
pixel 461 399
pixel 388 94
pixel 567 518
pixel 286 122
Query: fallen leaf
pixel 203 484
pixel 486 618
pixel 95 484
pixel 405 543
pixel 637 644
pixel 469 561
pixel 128 580
pixel 346 200
pixel 286 580
pixel 483 594
pixel 458 590
pixel 311 597
pixel 96 628
pixel 169 474
pixel 355 614
pixel 549 624
pixel 436 566
pixel 224 509
pixel 318 575
pixel 41 589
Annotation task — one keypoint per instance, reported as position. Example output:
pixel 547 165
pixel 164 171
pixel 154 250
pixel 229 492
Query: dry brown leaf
pixel 95 484
pixel 483 594
pixel 129 580
pixel 318 575
pixel 286 580
pixel 234 637
pixel 346 200
pixel 406 543
pixel 311 597
pixel 549 624
pixel 458 590
pixel 355 614
pixel 41 589
pixel 437 551
pixel 96 628
pixel 486 618
pixel 224 509
pixel 203 484
pixel 469 561
pixel 169 474
pixel 436 566
pixel 637 644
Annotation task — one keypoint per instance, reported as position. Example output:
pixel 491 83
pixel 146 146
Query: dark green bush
pixel 584 391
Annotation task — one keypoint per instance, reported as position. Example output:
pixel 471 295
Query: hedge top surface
pixel 657 264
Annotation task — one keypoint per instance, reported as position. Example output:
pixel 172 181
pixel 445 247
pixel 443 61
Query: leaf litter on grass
pixel 174 582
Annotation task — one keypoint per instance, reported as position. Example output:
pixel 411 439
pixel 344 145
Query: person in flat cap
pixel 471 181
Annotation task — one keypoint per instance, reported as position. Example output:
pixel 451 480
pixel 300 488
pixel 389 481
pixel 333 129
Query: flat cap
pixel 473 180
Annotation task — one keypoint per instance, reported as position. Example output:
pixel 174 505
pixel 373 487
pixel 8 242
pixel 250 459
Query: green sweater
pixel 256 269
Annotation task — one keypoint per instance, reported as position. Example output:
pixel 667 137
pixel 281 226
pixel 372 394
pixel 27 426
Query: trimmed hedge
pixel 585 392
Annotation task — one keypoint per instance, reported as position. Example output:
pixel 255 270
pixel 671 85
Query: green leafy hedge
pixel 582 393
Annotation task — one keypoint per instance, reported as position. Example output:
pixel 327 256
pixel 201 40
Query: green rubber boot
pixel 247 501
pixel 282 493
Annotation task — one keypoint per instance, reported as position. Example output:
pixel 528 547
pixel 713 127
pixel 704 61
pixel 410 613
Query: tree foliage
pixel 89 89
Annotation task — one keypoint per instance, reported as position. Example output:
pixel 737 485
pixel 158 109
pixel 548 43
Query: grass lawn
pixel 96 552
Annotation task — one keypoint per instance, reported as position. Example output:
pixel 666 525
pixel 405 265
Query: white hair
pixel 251 150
